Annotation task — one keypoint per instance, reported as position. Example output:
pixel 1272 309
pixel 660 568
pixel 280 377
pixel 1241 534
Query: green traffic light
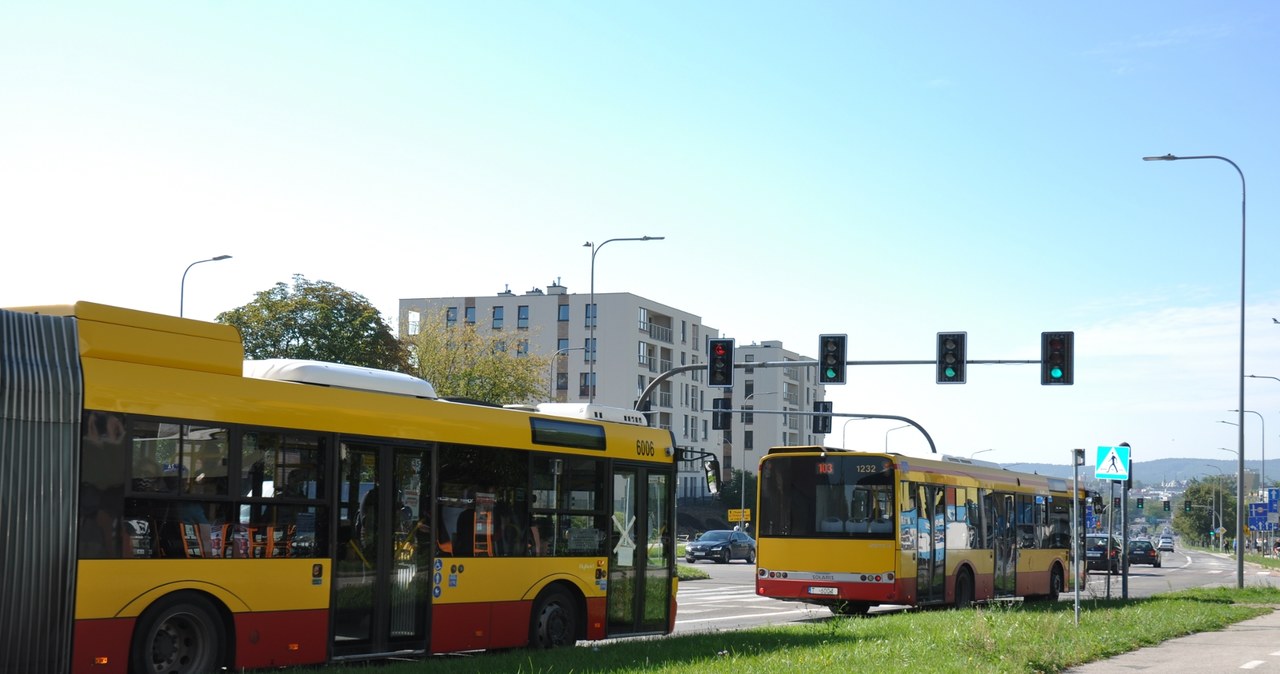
pixel 831 373
pixel 1056 373
pixel 950 372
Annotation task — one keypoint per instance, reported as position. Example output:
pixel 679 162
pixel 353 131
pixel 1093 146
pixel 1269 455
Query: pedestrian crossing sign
pixel 1113 463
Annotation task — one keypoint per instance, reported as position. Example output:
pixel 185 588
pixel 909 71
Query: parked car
pixel 1143 552
pixel 721 545
pixel 1098 556
pixel 1165 544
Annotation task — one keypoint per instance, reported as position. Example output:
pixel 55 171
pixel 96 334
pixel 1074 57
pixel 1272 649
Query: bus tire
pixel 180 634
pixel 964 589
pixel 554 622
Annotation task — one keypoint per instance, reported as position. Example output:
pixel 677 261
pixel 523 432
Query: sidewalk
pixel 1252 645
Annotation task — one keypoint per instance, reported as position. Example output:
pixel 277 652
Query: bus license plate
pixel 824 590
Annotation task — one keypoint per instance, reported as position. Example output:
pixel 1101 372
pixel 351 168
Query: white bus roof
pixel 338 375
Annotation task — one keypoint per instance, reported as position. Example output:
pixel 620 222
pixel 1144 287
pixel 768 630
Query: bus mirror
pixel 712 467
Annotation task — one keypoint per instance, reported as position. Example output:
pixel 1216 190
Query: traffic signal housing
pixel 1166 505
pixel 1057 356
pixel 822 420
pixel 1186 506
pixel 1139 503
pixel 720 414
pixel 720 363
pixel 952 357
pixel 831 358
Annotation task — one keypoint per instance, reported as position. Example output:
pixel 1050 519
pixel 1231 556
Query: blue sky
pixel 886 170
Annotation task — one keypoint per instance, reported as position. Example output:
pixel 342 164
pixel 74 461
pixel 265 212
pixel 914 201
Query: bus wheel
pixel 964 589
pixel 555 621
pixel 850 608
pixel 1057 583
pixel 180 634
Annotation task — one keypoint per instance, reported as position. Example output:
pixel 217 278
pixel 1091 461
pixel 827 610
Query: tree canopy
pixel 461 362
pixel 316 320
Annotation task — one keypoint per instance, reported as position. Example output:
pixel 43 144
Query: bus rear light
pixel 101 661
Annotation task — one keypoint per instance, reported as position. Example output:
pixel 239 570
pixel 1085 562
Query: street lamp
pixel 743 486
pixel 592 307
pixel 981 451
pixel 551 386
pixel 182 289
pixel 1217 492
pixel 1240 433
pixel 844 430
pixel 886 435
pixel 1262 476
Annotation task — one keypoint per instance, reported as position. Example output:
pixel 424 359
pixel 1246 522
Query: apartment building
pixel 608 354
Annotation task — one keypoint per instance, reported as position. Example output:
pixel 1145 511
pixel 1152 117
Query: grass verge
pixel 1002 637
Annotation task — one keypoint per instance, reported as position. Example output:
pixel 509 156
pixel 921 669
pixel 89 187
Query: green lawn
pixel 1003 637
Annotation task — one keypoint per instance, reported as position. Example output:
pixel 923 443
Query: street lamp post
pixel 886 435
pixel 1262 476
pixel 551 386
pixel 593 312
pixel 1217 493
pixel 182 289
pixel 1240 434
pixel 844 430
pixel 992 449
pixel 743 487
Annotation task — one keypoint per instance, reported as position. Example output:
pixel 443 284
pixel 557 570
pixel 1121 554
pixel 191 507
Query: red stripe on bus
pixel 281 638
pixel 101 646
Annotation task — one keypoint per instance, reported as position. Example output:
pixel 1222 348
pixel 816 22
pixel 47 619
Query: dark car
pixel 1098 556
pixel 721 545
pixel 1143 552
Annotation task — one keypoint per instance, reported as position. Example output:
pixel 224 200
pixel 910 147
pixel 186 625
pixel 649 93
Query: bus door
pixel 641 551
pixel 384 550
pixel 931 548
pixel 1005 543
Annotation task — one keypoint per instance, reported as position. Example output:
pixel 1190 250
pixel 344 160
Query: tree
pixel 460 362
pixel 1203 494
pixel 316 320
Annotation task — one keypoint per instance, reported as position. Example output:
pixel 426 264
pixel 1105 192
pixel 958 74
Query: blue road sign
pixel 1113 463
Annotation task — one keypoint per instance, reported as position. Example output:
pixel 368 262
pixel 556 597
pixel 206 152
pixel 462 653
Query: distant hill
pixel 1153 473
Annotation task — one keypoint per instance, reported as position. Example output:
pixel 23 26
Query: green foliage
pixel 316 321
pixel 1204 515
pixel 462 362
pixel 731 492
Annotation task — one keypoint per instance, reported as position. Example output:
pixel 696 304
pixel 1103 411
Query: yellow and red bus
pixel 852 530
pixel 170 507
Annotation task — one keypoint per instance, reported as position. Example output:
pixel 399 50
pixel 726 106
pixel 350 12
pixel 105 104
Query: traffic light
pixel 1139 503
pixel 1056 358
pixel 822 420
pixel 1186 506
pixel 951 357
pixel 720 414
pixel 1165 503
pixel 1115 501
pixel 831 358
pixel 720 366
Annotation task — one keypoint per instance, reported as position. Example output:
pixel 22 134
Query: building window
pixel 588 349
pixel 469 315
pixel 748 440
pixel 586 384
pixel 564 313
pixel 562 381
pixel 684 332
pixel 562 345
pixel 415 320
pixel 497 318
pixel 750 358
pixel 522 317
pixel 590 319
pixel 522 348
pixel 451 317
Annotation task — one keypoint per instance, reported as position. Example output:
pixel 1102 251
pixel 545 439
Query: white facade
pixel 636 340
pixel 774 391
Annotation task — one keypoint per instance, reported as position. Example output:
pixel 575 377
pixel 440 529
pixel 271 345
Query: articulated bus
pixel 170 507
pixel 852 530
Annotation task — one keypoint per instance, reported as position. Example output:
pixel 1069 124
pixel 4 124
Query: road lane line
pixel 1252 664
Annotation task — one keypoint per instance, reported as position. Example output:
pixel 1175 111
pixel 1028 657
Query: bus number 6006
pixel 644 447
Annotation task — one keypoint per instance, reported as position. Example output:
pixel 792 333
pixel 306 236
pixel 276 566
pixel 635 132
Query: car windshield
pixel 1140 545
pixel 713 536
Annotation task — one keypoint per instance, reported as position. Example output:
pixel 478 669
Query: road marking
pixel 741 617
pixel 1252 664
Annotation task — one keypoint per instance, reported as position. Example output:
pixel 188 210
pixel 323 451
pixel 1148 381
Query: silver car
pixel 1165 544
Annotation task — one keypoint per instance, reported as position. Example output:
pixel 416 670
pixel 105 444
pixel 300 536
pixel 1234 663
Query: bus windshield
pixel 827 496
